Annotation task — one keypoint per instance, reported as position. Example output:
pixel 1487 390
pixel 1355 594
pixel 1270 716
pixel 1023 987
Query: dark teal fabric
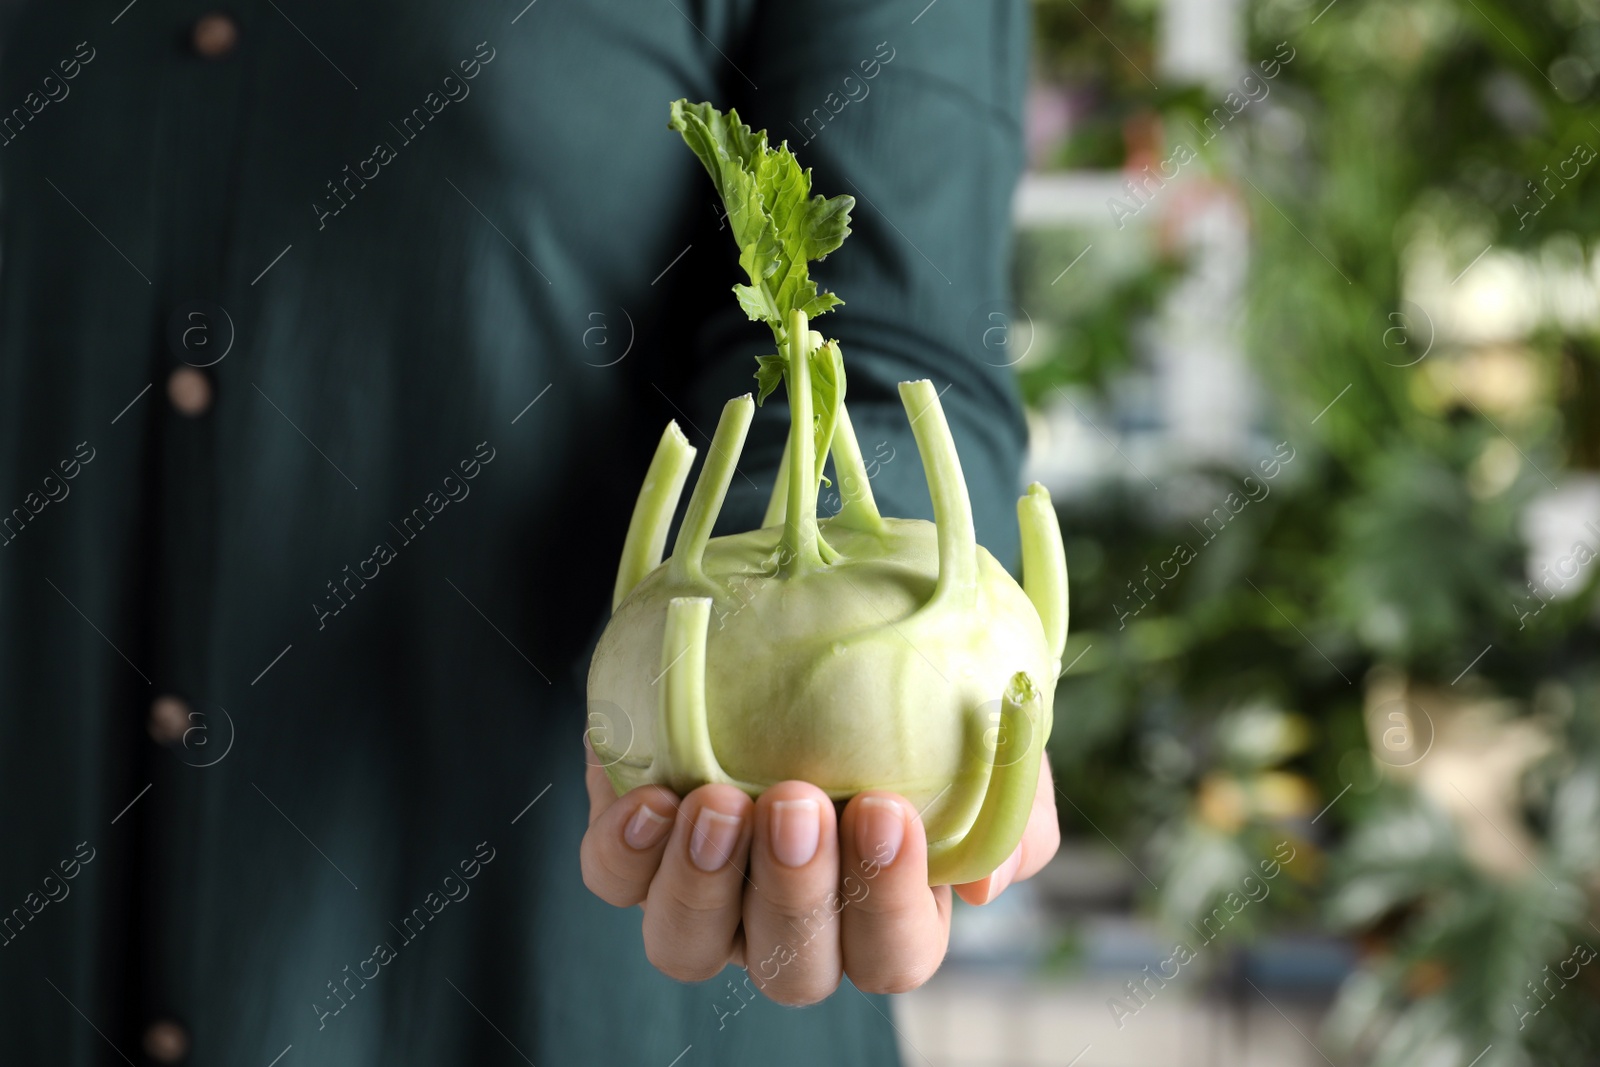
pixel 371 568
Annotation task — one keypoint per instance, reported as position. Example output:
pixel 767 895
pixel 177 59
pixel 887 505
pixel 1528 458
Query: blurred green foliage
pixel 1077 49
pixel 1399 129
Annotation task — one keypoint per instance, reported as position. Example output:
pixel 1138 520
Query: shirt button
pixel 189 391
pixel 169 719
pixel 166 1042
pixel 214 35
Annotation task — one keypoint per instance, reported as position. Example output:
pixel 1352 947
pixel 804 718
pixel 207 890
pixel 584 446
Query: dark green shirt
pixel 334 340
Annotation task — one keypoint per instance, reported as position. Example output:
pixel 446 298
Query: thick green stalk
pixel 711 489
pixel 652 512
pixel 777 503
pixel 827 367
pixel 780 493
pixel 957 589
pixel 800 552
pixel 1009 795
pixel 1044 565
pixel 826 355
pixel 684 759
pixel 859 510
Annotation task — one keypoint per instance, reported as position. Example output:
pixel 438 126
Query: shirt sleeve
pixel 916 112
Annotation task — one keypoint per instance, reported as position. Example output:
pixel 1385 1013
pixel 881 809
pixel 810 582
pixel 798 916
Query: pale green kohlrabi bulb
pixel 855 653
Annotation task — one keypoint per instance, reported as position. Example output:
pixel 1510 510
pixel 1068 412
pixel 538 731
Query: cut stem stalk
pixel 711 489
pixel 652 512
pixel 1009 796
pixel 859 510
pixel 776 503
pixel 957 589
pixel 1044 566
pixel 684 757
pixel 800 553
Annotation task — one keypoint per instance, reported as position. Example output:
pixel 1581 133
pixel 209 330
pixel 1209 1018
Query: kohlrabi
pixel 858 652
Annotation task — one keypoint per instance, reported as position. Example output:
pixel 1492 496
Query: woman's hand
pixel 784 887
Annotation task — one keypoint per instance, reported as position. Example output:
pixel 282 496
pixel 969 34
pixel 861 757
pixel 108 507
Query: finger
pixel 694 902
pixel 622 848
pixel 602 794
pixel 895 928
pixel 791 916
pixel 1040 839
pixel 994 883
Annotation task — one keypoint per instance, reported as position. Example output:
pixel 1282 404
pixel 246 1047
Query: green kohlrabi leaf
pixel 757 302
pixel 827 392
pixel 778 225
pixel 769 375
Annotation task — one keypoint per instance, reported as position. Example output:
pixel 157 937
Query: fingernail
pixel 1008 870
pixel 880 828
pixel 645 828
pixel 796 828
pixel 711 844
